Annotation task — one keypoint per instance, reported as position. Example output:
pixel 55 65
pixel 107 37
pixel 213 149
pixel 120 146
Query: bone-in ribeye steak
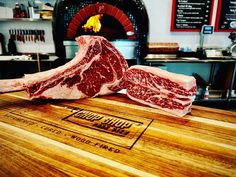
pixel 160 89
pixel 97 69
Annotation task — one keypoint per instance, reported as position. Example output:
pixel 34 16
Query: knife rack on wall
pixel 30 35
pixel 27 35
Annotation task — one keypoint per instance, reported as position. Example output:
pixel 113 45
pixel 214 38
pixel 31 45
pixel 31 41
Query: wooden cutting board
pixel 112 136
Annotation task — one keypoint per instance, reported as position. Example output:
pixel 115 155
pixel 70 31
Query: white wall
pixel 30 46
pixel 159 12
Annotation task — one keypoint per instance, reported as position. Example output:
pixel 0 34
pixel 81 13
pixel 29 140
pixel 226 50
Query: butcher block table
pixel 112 136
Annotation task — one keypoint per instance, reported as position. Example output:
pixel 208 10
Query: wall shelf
pixel 151 61
pixel 23 19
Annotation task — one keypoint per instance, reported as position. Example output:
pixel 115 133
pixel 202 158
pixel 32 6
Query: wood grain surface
pixel 112 136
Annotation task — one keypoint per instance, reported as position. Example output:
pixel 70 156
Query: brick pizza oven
pixel 122 22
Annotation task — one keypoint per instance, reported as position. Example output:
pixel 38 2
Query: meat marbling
pixel 97 69
pixel 160 89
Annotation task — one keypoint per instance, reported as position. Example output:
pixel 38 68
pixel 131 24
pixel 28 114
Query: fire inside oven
pixel 103 25
pixel 127 28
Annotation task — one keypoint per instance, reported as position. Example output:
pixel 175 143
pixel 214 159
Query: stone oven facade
pixel 120 19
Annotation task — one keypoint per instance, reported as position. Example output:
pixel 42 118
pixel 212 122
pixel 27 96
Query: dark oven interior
pixel 120 20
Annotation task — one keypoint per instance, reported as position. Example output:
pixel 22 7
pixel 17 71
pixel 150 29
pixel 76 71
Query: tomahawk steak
pixel 160 89
pixel 97 69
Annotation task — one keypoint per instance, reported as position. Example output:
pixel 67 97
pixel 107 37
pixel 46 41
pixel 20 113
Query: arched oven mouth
pixel 108 27
pixel 113 19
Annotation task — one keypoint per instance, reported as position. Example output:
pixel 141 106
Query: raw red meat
pixel 160 89
pixel 97 69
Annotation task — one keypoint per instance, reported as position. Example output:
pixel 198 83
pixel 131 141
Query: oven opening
pixel 102 25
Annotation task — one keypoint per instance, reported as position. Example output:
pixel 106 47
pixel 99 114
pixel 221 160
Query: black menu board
pixel 190 15
pixel 226 16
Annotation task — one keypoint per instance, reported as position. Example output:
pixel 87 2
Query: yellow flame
pixel 93 23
